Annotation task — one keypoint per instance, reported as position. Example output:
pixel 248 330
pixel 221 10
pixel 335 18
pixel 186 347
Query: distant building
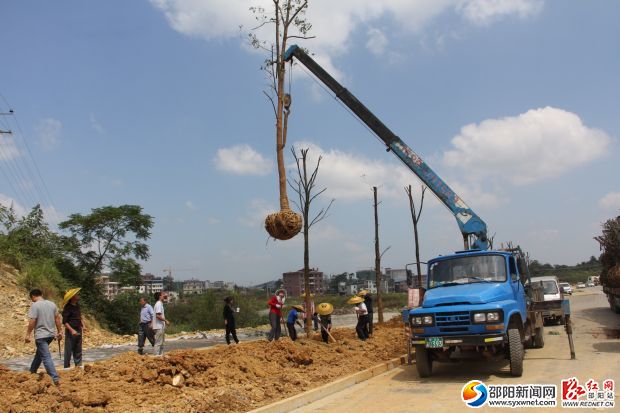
pixel 152 284
pixel 222 285
pixel 173 296
pixel 109 288
pixel 397 274
pixel 294 282
pixel 193 286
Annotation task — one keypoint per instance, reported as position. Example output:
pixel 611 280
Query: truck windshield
pixel 550 287
pixel 466 270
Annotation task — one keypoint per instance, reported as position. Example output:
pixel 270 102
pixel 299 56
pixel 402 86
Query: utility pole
pixel 377 258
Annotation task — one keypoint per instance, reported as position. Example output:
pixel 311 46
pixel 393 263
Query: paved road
pixel 596 335
pixel 102 353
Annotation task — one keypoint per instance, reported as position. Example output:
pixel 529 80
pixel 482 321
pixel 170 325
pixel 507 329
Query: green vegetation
pixel 569 273
pixel 110 238
pixel 205 311
pixel 609 241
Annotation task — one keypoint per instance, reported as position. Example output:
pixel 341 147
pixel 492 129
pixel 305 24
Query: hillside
pixel 14 303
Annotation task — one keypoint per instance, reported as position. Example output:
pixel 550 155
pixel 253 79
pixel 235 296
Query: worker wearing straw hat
pixel 291 320
pixel 325 311
pixel 74 327
pixel 362 317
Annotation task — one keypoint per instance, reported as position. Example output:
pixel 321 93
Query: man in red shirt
pixel 276 303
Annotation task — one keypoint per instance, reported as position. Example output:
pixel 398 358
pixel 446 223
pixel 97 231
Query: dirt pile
pixel 15 303
pixel 222 379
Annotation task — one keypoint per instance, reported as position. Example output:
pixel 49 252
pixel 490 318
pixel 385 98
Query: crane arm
pixel 470 224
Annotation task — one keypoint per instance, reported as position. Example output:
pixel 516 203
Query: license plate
pixel 434 342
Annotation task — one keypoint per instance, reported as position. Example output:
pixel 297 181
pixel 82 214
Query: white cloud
pixel 334 22
pixel 256 213
pixel 49 131
pixel 535 145
pixel 242 160
pixel 8 149
pixel 350 177
pixel 483 12
pixel 190 205
pixel 377 41
pixel 610 202
pixel 94 123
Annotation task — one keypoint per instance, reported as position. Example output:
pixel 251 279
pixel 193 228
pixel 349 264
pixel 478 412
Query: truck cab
pixel 475 304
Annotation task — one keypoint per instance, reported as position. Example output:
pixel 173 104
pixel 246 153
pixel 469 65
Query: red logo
pixel 572 390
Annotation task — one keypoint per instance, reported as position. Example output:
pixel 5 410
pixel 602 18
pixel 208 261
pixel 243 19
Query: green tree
pixel 108 234
pixel 126 271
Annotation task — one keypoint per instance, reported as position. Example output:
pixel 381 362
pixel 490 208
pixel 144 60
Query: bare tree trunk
pixel 306 212
pixel 415 218
pixel 377 258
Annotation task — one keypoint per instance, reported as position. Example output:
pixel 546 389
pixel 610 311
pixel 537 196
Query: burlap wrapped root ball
pixel 613 276
pixel 284 224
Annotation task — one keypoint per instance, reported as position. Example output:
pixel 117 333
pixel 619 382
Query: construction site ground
pixel 597 345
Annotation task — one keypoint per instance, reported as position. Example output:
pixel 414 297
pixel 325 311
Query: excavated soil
pixel 221 379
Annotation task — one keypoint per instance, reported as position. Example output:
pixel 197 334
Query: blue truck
pixel 476 302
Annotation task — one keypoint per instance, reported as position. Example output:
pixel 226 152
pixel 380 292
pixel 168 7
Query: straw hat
pixel 298 308
pixel 355 300
pixel 325 309
pixel 363 293
pixel 303 295
pixel 69 295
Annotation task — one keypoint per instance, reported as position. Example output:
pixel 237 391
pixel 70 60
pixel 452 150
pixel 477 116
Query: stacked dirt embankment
pixel 222 379
pixel 14 305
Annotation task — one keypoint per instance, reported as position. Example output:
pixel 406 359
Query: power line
pixel 24 174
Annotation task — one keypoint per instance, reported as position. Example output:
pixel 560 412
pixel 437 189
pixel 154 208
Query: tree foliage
pixel 609 241
pixel 107 235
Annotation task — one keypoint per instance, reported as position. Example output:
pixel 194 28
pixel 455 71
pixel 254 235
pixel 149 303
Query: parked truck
pixel 476 300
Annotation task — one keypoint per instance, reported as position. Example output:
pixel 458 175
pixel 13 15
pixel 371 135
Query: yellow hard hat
pixel 363 293
pixel 324 309
pixel 355 300
pixel 303 295
pixel 69 295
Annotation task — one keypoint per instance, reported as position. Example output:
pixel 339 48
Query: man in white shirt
pixel 159 324
pixel 362 321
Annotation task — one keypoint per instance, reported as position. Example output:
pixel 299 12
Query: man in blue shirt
pixel 292 319
pixel 145 331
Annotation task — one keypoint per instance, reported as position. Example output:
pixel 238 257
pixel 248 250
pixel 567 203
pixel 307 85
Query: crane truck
pixel 476 301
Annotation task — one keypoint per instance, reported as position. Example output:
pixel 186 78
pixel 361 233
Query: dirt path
pixel 401 390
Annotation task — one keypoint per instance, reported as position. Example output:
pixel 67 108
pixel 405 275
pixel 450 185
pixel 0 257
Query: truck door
pixel 517 287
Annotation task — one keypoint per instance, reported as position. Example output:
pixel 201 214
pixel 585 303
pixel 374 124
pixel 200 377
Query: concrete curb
pixel 299 400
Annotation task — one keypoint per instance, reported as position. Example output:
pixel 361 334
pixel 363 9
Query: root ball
pixel 283 225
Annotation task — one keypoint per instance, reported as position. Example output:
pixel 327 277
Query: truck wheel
pixel 423 362
pixel 515 346
pixel 539 338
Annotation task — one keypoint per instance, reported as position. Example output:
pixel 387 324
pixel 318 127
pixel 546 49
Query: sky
pixel 514 103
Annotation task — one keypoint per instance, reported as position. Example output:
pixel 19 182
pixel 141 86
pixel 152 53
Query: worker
pixel 74 327
pixel 159 323
pixel 276 303
pixel 229 320
pixel 291 320
pixel 145 328
pixel 325 311
pixel 362 317
pixel 44 320
pixel 312 310
pixel 365 294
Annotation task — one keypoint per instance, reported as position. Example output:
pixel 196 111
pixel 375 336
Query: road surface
pixel 597 345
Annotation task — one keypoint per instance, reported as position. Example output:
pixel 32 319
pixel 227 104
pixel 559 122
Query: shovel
pixel 59 353
pixel 328 333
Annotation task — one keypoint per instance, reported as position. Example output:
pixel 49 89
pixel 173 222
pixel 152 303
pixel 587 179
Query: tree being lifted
pixel 289 22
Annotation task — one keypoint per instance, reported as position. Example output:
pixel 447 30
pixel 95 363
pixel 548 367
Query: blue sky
pixel 514 103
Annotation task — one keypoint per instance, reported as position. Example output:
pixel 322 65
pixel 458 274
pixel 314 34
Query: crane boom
pixel 470 224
